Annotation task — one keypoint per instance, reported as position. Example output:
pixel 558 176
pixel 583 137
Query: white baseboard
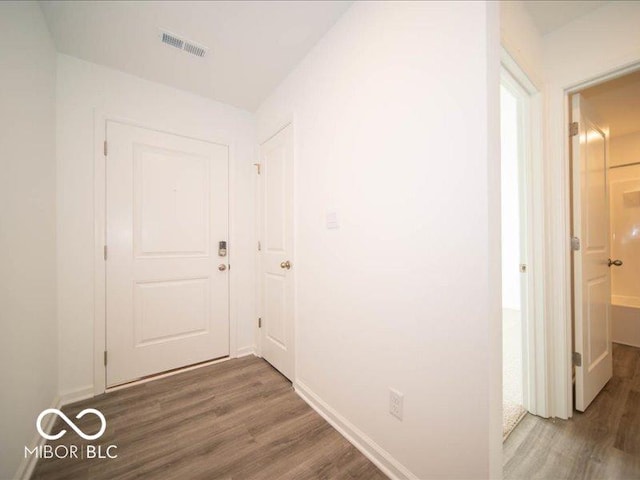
pixel 25 469
pixel 76 395
pixel 245 351
pixel 370 449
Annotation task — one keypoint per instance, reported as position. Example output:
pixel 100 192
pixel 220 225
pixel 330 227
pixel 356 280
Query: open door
pixel 277 255
pixel 591 260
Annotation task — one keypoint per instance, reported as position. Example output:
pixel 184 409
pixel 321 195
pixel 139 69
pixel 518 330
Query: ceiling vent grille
pixel 172 40
pixel 194 49
pixel 185 45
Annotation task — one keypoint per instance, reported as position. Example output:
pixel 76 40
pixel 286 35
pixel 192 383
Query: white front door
pixel 592 276
pixel 167 293
pixel 277 268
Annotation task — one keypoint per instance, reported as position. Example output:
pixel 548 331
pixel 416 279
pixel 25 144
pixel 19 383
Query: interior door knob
pixel 617 263
pixel 286 265
pixel 222 267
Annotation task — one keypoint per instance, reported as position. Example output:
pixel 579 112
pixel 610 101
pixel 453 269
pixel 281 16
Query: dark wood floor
pixel 238 419
pixel 602 443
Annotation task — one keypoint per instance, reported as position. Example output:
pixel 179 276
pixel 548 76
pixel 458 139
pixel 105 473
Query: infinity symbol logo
pixel 46 412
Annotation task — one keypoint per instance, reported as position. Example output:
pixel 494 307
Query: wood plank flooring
pixel 238 419
pixel 602 443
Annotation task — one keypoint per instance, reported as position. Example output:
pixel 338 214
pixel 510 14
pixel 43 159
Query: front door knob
pixel 617 263
pixel 286 265
pixel 222 267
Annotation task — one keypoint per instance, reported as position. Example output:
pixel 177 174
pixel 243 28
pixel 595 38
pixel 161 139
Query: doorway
pixel 605 199
pixel 514 221
pixel 525 348
pixel 166 252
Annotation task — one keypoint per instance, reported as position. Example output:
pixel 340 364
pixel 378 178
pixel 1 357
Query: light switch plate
pixel 332 220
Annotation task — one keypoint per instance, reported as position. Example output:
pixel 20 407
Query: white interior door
pixel 277 269
pixel 592 276
pixel 167 287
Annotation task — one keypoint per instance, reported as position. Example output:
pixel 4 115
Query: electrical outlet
pixel 396 399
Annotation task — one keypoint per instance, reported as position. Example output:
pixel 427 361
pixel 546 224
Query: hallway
pixel 603 442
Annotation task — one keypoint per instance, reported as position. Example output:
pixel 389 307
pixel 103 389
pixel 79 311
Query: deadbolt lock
pixel 222 248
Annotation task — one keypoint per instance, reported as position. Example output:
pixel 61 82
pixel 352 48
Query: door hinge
pixel 260 322
pixel 105 253
pixel 105 148
pixel 259 246
pixel 573 129
pixel 577 359
pixel 575 244
pixel 257 165
pixel 105 358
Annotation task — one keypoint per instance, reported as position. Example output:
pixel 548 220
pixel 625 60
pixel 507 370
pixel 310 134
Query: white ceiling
pixel 252 45
pixel 551 15
pixel 617 103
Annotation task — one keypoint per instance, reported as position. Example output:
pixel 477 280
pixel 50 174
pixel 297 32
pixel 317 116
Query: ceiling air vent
pixel 194 49
pixel 172 40
pixel 185 45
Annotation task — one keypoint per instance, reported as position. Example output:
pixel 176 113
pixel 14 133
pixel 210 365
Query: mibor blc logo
pixel 88 451
pixel 103 423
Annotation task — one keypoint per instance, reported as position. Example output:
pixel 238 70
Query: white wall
pixel 624 149
pixel 624 186
pixel 83 87
pixel 591 46
pixel 28 350
pixel 521 38
pixel 391 129
pixel 624 183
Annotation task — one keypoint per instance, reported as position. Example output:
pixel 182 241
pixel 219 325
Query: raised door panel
pixel 596 192
pixel 172 202
pixel 275 200
pixel 598 335
pixel 275 304
pixel 158 306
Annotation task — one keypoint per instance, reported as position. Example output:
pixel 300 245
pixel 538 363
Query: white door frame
pixel 285 121
pixel 99 207
pixel 535 395
pixel 558 216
